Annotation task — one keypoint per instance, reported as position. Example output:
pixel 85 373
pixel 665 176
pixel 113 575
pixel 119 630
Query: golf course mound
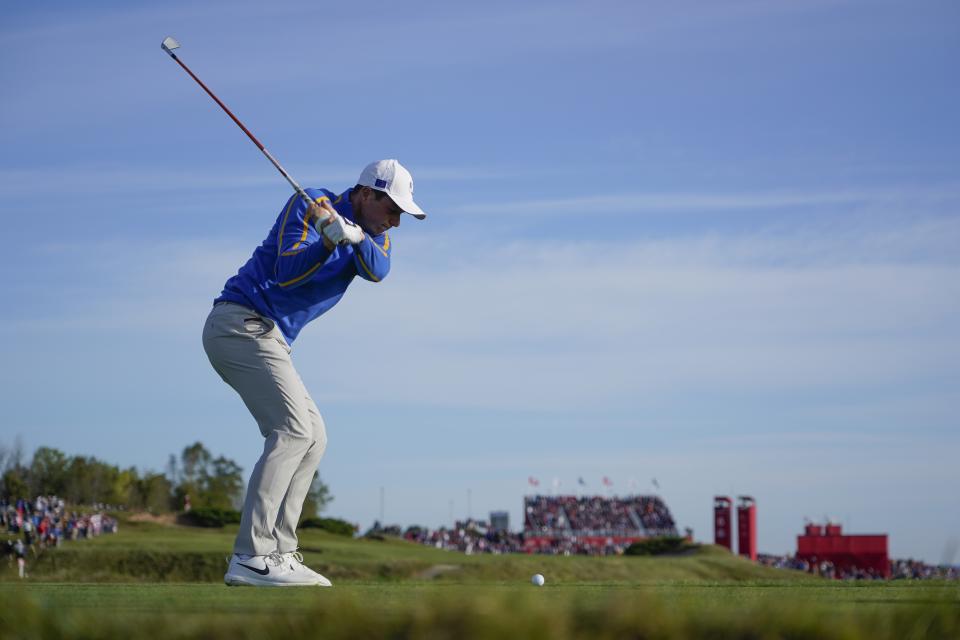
pixel 146 550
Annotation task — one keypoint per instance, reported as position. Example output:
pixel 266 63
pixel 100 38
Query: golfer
pixel 298 273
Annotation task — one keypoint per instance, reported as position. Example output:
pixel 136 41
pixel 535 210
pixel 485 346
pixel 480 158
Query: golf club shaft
pixel 283 172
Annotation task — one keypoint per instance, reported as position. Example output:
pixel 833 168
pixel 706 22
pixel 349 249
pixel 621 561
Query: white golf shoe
pixel 295 560
pixel 266 571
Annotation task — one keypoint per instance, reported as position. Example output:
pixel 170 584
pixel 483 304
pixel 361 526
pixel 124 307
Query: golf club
pixel 168 45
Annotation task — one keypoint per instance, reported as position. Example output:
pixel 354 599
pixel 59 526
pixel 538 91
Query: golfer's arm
pixel 372 257
pixel 301 250
pixel 294 270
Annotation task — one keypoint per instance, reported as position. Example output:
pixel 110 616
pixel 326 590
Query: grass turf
pixel 409 609
pixel 147 552
pixel 127 586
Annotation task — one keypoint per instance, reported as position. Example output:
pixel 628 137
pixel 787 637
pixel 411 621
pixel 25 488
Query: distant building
pixel 723 522
pixel 846 552
pixel 500 520
pixel 747 527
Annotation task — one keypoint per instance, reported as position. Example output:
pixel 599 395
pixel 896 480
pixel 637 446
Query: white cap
pixel 393 179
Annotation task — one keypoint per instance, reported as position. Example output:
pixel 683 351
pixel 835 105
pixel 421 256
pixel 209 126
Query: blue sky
pixel 709 243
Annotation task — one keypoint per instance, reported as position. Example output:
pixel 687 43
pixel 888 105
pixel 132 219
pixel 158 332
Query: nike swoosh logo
pixel 262 572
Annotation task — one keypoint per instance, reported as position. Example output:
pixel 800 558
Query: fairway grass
pixel 151 581
pixel 410 609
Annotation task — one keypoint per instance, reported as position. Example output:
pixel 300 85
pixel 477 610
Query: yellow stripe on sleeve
pixel 294 250
pixel 385 247
pixel 366 268
pixel 309 273
pixel 306 228
pixel 283 224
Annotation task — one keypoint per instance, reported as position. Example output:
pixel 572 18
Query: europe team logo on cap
pixel 381 184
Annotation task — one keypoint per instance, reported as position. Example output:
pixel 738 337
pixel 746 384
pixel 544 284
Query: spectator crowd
pixel 899 569
pixel 31 527
pixel 567 516
pixel 468 536
pixel 556 525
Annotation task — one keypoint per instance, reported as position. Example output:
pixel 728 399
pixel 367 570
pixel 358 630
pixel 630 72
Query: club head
pixel 169 44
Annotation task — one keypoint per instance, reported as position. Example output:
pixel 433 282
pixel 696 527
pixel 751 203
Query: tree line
pixel 209 482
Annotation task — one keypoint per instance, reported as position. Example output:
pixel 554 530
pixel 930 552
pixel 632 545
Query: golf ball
pixel 537 579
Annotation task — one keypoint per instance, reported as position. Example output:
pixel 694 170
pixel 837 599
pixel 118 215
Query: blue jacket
pixel 292 278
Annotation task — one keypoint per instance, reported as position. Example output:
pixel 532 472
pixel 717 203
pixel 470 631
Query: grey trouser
pixel 252 356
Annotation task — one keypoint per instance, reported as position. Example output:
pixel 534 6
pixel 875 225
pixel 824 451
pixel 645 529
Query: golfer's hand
pixel 339 230
pixel 321 214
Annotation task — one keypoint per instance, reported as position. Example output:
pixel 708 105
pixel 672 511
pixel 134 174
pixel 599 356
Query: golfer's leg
pixel 250 355
pixel 300 484
pixel 266 493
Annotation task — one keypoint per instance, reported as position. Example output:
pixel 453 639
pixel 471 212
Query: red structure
pixel 867 552
pixel 747 527
pixel 723 522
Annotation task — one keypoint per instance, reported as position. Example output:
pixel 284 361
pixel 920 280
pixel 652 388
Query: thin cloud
pixel 111 180
pixel 539 332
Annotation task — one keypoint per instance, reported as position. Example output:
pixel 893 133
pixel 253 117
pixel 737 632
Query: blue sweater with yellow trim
pixel 292 278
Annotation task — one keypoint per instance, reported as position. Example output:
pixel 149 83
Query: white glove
pixel 339 230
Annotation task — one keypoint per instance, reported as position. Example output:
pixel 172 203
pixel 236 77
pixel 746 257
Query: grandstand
pixel 581 524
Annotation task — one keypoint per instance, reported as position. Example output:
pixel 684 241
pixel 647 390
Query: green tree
pixel 15 483
pixel 103 480
pixel 90 480
pixel 4 456
pixel 224 484
pixel 194 465
pixel 215 483
pixel 86 480
pixel 192 474
pixel 13 475
pixel 154 492
pixel 317 498
pixel 173 469
pixel 48 472
pixel 77 490
pixel 126 487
